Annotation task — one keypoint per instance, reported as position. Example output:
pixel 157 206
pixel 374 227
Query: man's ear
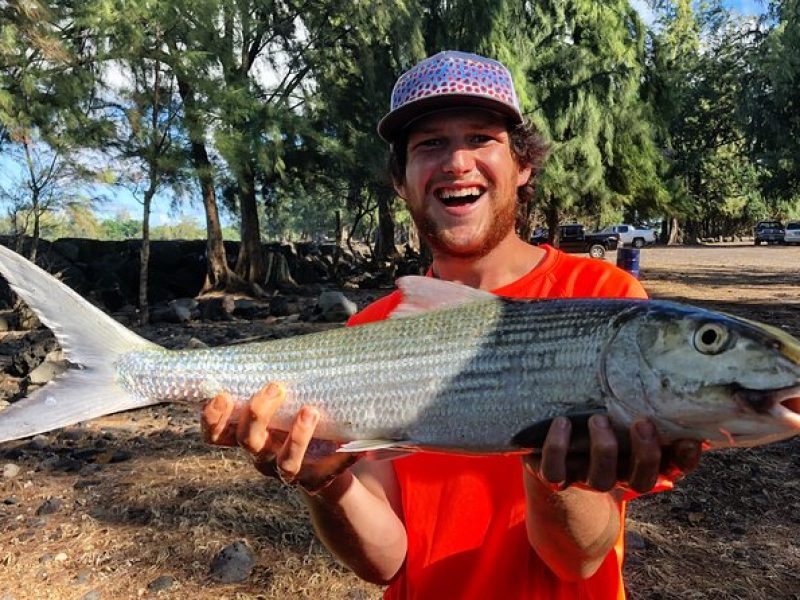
pixel 400 188
pixel 524 175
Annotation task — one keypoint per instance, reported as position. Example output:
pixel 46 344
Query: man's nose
pixel 458 160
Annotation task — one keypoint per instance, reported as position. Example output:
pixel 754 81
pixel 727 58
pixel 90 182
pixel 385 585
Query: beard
pixel 441 240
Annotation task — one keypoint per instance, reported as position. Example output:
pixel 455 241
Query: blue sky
pixel 743 7
pixel 747 7
pixel 114 198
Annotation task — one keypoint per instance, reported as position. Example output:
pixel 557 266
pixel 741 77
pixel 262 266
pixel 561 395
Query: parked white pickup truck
pixel 632 236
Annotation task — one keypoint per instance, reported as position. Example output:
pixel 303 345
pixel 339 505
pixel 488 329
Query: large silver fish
pixel 457 370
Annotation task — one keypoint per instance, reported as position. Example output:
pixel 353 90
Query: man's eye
pixel 481 138
pixel 429 143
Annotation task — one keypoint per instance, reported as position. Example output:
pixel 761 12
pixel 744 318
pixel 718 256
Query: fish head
pixel 704 375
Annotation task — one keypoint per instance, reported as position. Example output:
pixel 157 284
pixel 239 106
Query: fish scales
pixel 466 372
pixel 494 365
pixel 537 365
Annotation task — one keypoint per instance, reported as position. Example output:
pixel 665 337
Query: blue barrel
pixel 628 259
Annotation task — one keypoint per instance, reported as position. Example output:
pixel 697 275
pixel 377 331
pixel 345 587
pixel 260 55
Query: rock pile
pixel 301 289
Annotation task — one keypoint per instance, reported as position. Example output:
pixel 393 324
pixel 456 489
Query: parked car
pixel 791 235
pixel 770 232
pixel 638 237
pixel 573 238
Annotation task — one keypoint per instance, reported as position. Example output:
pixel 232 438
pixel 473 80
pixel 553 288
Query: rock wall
pixel 107 272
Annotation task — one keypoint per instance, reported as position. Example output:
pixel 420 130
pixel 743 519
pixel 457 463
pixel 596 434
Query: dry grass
pixel 167 510
pixel 729 531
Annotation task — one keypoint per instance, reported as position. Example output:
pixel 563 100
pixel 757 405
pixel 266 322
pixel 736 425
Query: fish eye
pixel 711 338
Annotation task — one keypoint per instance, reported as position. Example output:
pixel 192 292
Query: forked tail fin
pixel 89 338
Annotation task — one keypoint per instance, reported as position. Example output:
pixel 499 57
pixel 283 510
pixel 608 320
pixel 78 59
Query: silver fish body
pixel 455 369
pixel 467 378
pixel 475 377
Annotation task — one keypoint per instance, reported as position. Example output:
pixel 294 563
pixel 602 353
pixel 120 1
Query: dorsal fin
pixel 423 294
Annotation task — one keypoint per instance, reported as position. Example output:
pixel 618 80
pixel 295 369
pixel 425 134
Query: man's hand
pixel 602 459
pixel 275 453
pixel 574 530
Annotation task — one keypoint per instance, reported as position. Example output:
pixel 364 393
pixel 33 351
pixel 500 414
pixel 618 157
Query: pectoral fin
pixel 374 445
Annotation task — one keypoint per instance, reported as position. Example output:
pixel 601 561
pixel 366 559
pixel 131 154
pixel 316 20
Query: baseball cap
pixel 450 79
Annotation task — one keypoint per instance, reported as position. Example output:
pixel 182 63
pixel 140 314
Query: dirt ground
pixel 141 497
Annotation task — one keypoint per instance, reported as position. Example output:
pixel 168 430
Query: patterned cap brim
pixel 397 120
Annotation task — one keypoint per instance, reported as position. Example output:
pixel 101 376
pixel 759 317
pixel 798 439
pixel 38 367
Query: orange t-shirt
pixel 465 515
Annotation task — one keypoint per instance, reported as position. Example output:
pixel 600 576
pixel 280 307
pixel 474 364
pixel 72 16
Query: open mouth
pixel 782 404
pixel 790 408
pixel 452 197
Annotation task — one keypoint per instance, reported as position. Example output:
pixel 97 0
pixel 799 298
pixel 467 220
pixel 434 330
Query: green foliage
pixel 696 120
pixel 699 76
pixel 583 80
pixel 186 228
pixel 78 221
pixel 772 104
pixel 121 229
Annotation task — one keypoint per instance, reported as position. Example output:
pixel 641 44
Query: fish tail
pixel 92 343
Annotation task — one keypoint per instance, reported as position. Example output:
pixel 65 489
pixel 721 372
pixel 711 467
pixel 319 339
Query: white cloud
pixel 116 75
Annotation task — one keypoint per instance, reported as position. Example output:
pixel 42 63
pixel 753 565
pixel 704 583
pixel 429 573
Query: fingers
pixel 216 421
pixel 290 455
pixel 553 465
pixel 602 474
pixel 635 460
pixel 565 460
pixel 252 432
pixel 645 456
pixel 681 457
pixel 296 463
pixel 275 453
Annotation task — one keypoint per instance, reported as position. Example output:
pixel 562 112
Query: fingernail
pixel 601 421
pixel 645 430
pixel 219 402
pixel 553 487
pixel 560 423
pixel 308 417
pixel 272 390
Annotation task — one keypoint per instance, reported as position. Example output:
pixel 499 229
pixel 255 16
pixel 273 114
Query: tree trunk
pixel 250 264
pixel 36 231
pixel 674 232
pixel 384 244
pixel 280 276
pixel 524 226
pixel 413 239
pixel 337 251
pixel 691 232
pixel 218 275
pixel 664 234
pixel 144 257
pixel 553 231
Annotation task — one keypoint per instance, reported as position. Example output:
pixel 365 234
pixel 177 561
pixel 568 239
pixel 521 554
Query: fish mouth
pixel 782 404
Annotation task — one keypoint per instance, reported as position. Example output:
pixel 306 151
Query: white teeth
pixel 460 193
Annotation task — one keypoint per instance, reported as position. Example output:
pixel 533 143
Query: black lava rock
pixel 232 564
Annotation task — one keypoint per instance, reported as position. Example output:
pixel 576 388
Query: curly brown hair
pixel 527 147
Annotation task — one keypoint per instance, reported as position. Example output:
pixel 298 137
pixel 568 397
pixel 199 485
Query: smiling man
pixel 442 526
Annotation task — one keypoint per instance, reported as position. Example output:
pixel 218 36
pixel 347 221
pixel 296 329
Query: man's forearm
pixel 360 528
pixel 573 530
